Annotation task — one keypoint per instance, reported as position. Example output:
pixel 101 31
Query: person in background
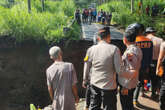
pixel 161 73
pixel 83 16
pixel 148 10
pixel 94 13
pixel 139 7
pixel 131 59
pixel 155 10
pixel 99 16
pixel 103 18
pixel 109 17
pixel 77 16
pixel 86 15
pixel 146 46
pixel 104 61
pixel 61 81
pixel 150 33
pixel 90 15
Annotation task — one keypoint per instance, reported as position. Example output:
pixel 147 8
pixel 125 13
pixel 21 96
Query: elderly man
pixel 61 81
pixel 104 61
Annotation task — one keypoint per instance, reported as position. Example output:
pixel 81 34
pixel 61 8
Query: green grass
pixel 37 25
pixel 121 14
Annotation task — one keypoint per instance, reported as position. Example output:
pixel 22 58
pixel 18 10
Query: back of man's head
pixel 104 32
pixel 130 34
pixel 139 28
pixel 54 52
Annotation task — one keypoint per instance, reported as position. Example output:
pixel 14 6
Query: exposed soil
pixel 22 71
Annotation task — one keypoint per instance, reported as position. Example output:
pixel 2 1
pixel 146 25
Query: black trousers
pixel 127 100
pixel 107 97
pixel 155 80
pixel 140 86
pixel 162 95
pixel 88 96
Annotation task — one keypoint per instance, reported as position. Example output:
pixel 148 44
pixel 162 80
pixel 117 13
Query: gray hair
pixel 54 52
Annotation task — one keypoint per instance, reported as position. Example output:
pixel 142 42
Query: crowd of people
pixel 91 15
pixel 108 72
pixel 154 10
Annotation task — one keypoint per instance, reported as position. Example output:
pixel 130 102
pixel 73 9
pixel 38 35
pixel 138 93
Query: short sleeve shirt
pixel 61 76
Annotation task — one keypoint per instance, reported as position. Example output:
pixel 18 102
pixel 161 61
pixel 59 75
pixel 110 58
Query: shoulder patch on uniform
pixel 129 56
pixel 86 58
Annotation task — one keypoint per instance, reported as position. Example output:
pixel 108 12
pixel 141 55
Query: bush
pixel 37 25
pixel 121 14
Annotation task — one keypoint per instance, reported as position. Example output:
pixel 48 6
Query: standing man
pixel 61 81
pixel 146 46
pixel 104 61
pixel 148 10
pixel 90 16
pixel 150 33
pixel 78 16
pixel 128 80
pixel 161 63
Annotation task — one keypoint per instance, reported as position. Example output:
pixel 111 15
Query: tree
pixel 132 6
pixel 29 6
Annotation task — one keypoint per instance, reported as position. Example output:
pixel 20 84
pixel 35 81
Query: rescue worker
pixel 132 61
pixel 61 81
pixel 150 33
pixel 146 46
pixel 161 73
pixel 104 60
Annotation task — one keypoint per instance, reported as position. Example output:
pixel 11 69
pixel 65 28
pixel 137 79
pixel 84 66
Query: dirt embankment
pixel 22 71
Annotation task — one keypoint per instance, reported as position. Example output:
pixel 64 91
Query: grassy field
pixel 15 21
pixel 121 14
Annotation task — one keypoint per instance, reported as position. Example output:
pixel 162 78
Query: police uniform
pixel 146 46
pixel 156 48
pixel 131 61
pixel 104 60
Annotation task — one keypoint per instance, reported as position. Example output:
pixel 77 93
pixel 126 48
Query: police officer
pixel 104 61
pixel 161 63
pixel 131 61
pixel 146 46
pixel 150 33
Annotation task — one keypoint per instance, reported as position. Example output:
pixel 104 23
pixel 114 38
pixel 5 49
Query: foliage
pixel 121 13
pixel 83 3
pixel 37 25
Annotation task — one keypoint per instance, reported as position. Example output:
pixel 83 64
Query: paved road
pixel 145 103
pixel 89 32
